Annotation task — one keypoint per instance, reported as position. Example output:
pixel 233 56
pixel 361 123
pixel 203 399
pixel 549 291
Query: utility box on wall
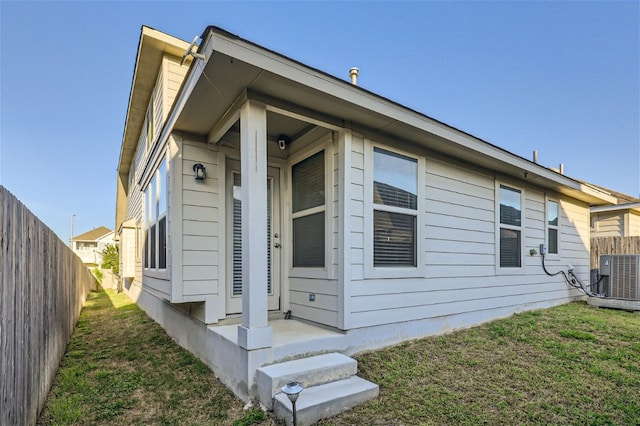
pixel 621 276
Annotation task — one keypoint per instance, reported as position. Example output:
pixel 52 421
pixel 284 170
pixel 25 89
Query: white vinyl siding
pixel 173 75
pixel 148 126
pixel 634 225
pixel 460 222
pixel 461 254
pixel 609 224
pixel 154 118
pixel 201 224
pixel 618 223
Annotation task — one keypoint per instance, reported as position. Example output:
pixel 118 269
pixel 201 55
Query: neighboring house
pixel 252 187
pixel 615 230
pixel 620 220
pixel 89 246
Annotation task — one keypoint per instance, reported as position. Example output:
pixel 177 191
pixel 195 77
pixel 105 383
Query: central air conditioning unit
pixel 621 276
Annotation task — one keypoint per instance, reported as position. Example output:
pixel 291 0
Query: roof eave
pixel 635 207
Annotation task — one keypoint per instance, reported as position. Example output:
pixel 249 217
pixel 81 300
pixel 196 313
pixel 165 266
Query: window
pixel 553 224
pixel 395 209
pixel 155 252
pixel 86 245
pixel 308 212
pixel 510 227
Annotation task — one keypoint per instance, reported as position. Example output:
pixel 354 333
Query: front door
pixel 234 238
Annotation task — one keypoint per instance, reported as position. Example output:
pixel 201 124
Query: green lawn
pixel 567 365
pixel 121 368
pixel 573 365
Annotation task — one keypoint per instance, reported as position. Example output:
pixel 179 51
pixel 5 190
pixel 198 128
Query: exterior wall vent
pixel 621 276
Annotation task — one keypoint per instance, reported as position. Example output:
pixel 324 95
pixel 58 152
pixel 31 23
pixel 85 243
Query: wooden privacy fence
pixel 43 286
pixel 612 245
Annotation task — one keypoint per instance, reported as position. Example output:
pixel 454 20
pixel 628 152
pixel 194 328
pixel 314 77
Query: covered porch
pixel 252 143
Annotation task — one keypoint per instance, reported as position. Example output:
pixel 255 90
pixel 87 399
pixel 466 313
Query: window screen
pixel 552 226
pixel 395 200
pixel 308 240
pixel 510 227
pixel 509 248
pixel 308 205
pixel 155 248
pixel 308 183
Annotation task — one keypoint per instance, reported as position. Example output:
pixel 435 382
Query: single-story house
pixel 89 245
pixel 254 188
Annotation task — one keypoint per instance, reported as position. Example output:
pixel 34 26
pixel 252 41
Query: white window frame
pixel 510 270
pixel 153 192
pixel 371 271
pixel 326 272
pixel 547 226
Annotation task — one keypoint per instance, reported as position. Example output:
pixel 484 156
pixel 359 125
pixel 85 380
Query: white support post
pixel 344 215
pixel 254 333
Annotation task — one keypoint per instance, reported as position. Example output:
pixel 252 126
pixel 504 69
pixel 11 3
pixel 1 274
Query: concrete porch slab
pixel 292 339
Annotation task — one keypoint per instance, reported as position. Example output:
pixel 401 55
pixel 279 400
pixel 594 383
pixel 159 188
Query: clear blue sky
pixel 559 77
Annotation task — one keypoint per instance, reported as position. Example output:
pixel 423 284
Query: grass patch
pixel 121 368
pixel 576 334
pixel 572 364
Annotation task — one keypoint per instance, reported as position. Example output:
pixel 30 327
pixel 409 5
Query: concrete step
pixel 322 401
pixel 309 372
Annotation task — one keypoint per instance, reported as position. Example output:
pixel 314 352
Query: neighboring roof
pixel 623 202
pixel 635 207
pixel 622 198
pixel 243 66
pixel 93 235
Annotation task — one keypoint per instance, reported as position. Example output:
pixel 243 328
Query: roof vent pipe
pixel 353 73
pixel 535 156
pixel 561 168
